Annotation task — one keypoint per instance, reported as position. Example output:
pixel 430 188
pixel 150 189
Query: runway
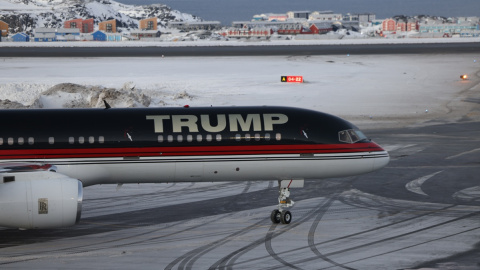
pixel 231 50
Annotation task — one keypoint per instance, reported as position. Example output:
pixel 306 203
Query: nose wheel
pixel 277 216
pixel 284 201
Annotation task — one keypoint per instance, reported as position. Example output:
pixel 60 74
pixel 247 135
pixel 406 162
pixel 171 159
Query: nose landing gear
pixel 284 201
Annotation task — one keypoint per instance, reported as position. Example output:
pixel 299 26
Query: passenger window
pixel 189 138
pixel 71 140
pixel 160 138
pixel 257 137
pixel 199 138
pixel 209 138
pixel 267 137
pixel 170 138
pixel 31 140
pixel 218 137
pixel 101 139
pixel 21 141
pixel 238 137
pixel 247 137
pixel 91 139
pixel 278 136
pixel 180 138
pixel 81 140
pixel 10 141
pixel 1 141
pixel 51 140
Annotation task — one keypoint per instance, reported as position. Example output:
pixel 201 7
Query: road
pixel 434 48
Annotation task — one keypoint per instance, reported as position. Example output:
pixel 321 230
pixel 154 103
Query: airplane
pixel 47 156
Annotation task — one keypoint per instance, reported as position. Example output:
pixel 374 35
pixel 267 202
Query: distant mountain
pixel 26 15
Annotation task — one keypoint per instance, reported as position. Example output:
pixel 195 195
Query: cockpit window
pixel 351 136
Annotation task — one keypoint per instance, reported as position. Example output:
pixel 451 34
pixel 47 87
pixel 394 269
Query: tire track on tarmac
pixel 230 260
pixel 187 260
pixel 393 238
pixel 311 236
pixel 386 226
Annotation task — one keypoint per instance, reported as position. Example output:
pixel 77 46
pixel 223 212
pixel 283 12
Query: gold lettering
pixel 221 123
pixel 188 121
pixel 270 119
pixel 245 124
pixel 158 121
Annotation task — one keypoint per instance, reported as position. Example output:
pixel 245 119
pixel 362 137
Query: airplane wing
pixel 35 196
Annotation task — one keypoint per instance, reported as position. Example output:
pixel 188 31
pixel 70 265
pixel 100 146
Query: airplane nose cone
pixel 381 161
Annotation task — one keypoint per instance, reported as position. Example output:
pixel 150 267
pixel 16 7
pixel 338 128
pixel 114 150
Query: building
pixel 319 28
pixel 108 26
pixel 142 34
pixel 148 24
pixel 3 29
pixel 271 17
pixel 247 33
pixel 290 27
pixel 325 16
pixel 409 25
pixel 389 25
pixel 102 36
pixel 298 14
pixel 85 26
pixel 56 34
pixel 45 35
pixel 20 37
pixel 67 34
pixel 447 28
pixel 193 26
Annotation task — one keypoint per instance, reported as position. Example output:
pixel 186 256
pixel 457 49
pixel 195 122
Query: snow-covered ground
pixel 371 91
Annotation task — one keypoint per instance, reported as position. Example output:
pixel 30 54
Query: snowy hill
pixel 26 15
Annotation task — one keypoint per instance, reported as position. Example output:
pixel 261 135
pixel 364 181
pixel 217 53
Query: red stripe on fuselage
pixel 189 151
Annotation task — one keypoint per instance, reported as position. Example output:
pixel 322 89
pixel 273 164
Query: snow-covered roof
pixel 45 30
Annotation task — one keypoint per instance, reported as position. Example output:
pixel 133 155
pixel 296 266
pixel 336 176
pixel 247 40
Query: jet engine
pixel 39 200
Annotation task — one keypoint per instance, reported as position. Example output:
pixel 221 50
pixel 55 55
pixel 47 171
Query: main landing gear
pixel 284 201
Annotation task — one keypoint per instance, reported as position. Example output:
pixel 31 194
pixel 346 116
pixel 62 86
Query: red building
pixel 319 28
pixel 85 26
pixel 389 25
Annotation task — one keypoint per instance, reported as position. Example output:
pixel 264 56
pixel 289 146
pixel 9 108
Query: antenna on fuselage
pixel 107 106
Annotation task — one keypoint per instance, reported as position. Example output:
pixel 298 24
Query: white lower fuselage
pixel 117 170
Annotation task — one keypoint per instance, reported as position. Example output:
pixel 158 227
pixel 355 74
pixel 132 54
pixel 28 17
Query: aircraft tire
pixel 286 217
pixel 276 216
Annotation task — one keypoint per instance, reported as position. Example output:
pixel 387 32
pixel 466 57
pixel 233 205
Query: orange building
pixel 389 25
pixel 108 26
pixel 148 24
pixel 3 28
pixel 85 26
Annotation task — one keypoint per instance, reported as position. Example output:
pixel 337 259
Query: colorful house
pixel 108 26
pixel 389 25
pixel 102 36
pixel 3 29
pixel 148 24
pixel 85 26
pixel 20 37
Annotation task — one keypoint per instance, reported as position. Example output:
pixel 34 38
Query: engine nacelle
pixel 39 200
